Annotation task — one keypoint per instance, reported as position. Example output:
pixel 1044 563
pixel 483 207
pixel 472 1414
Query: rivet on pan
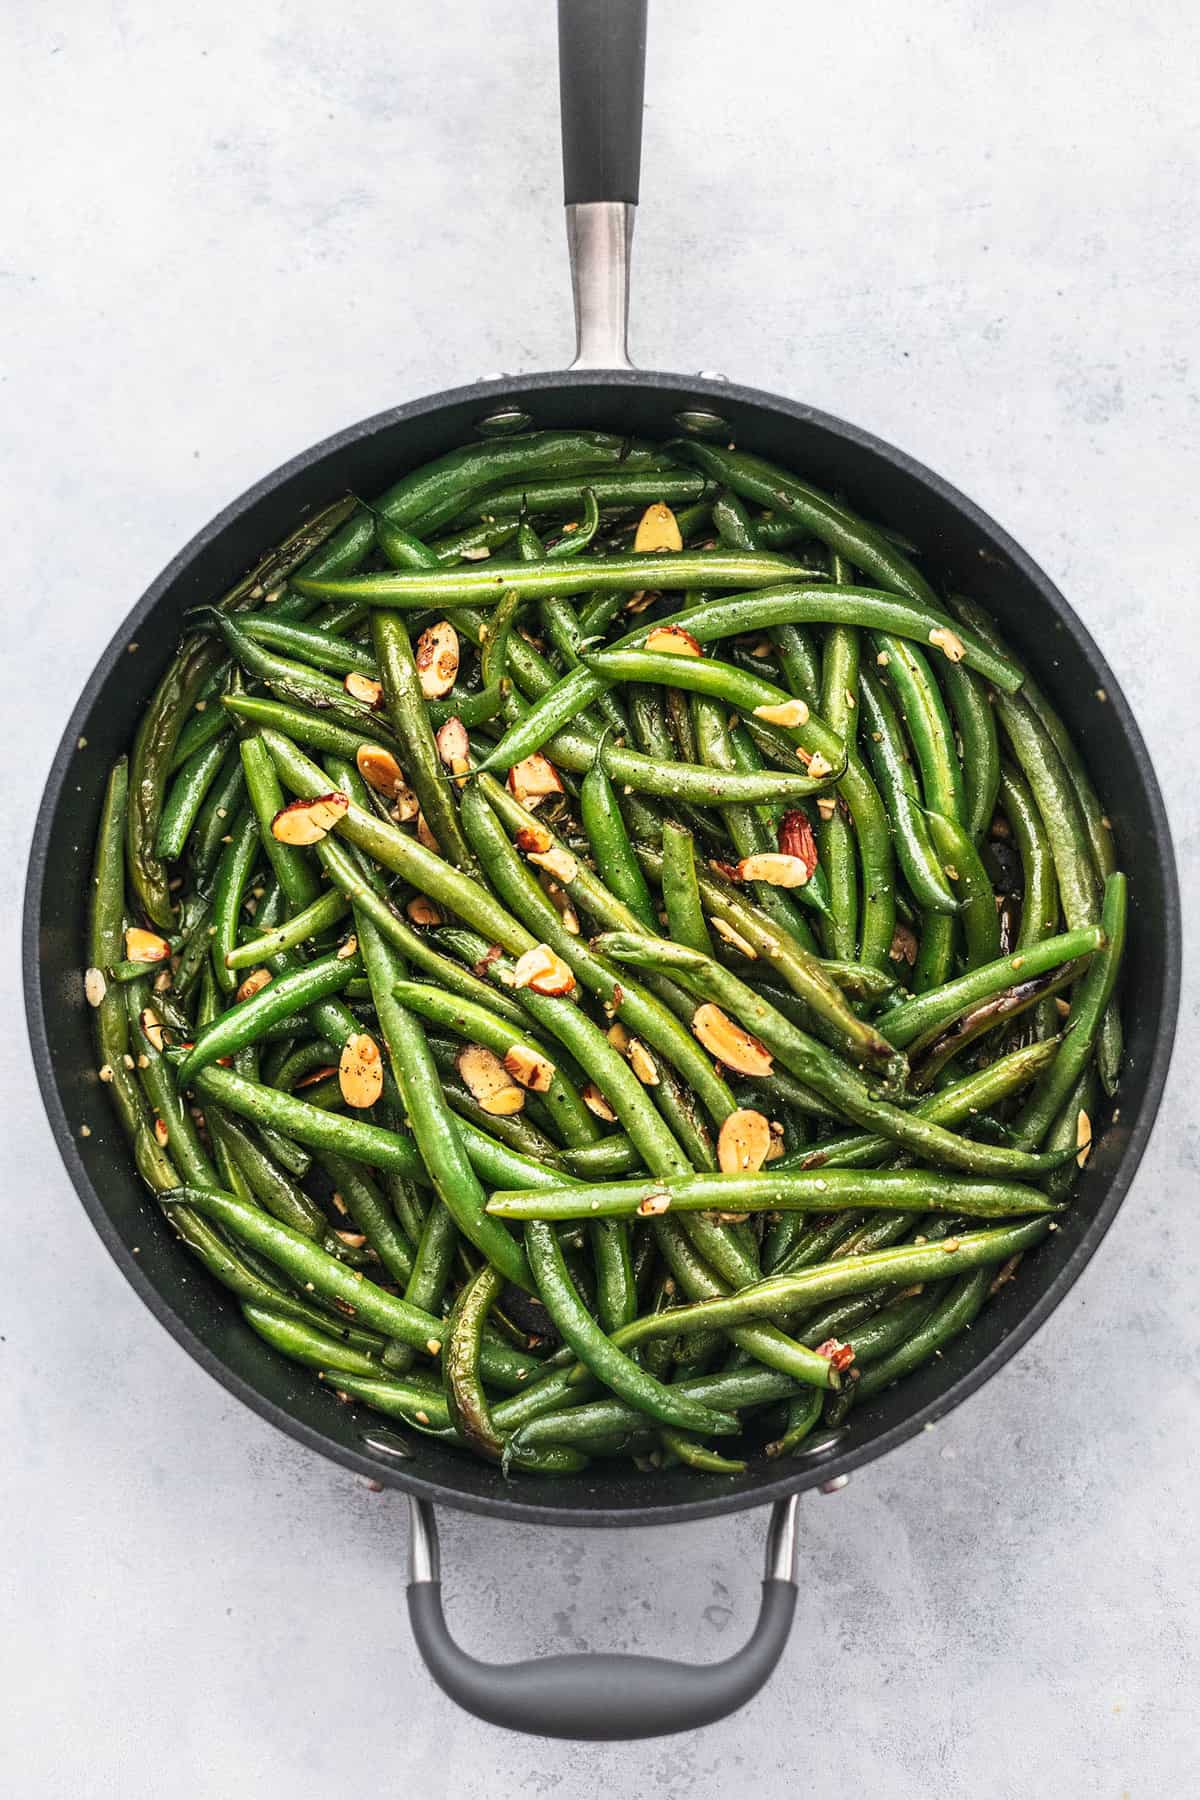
pixel 822 1446
pixel 701 423
pixel 386 1443
pixel 712 375
pixel 505 423
pixel 836 1485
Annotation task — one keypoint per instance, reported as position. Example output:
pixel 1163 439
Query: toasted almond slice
pixel 778 1146
pixel 595 1102
pixel 1083 1137
pixel 437 658
pixel 904 944
pixel 163 981
pixel 656 1201
pixel 557 862
pixel 347 949
pixel 827 806
pixel 733 938
pixel 761 648
pixel 534 780
pixel 254 983
pixel 744 1142
pixel 308 821
pixel 407 805
pixel 658 529
pixel 422 911
pixel 643 1064
pixel 639 601
pixel 529 1067
pixel 531 838
pixel 94 986
pixel 364 688
pixel 674 640
pixel 774 868
pixel 162 1136
pixel 560 900
pixel 543 971
pixel 454 746
pixel 796 838
pixel 729 1043
pixel 152 1025
pixel 379 769
pixel 105 1072
pixel 360 1071
pixel 425 836
pixel 791 713
pixel 489 1080
pixel 817 766
pixel 145 946
pixel 618 1037
pixel 353 1240
pixel 948 642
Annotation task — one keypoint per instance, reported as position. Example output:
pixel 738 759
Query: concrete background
pixel 230 229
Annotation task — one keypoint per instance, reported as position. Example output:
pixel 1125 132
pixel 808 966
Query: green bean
pixel 465 1397
pixel 681 892
pixel 916 1021
pixel 245 1159
pixel 838 703
pixel 312 921
pixel 207 722
pixel 422 764
pixel 952 1315
pixel 301 1343
pixel 1059 808
pixel 311 728
pixel 927 724
pixel 917 856
pixel 675 487
pixel 238 860
pixel 309 643
pixel 977 907
pixel 605 830
pixel 186 797
pixel 293 869
pixel 601 1420
pixel 371 1215
pixel 282 998
pixel 975 724
pixel 224 803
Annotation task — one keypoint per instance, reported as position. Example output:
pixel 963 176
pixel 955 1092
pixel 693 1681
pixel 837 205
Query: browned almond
pixel 655 1202
pixel 531 838
pixel 826 806
pixel 360 1071
pixel 162 981
pixel 658 529
pixel 454 746
pixel 94 986
pixel 1083 1137
pixel 557 861
pixel 639 601
pixel 642 1063
pixel 254 983
pixel 353 1240
pixel 560 900
pixel 796 838
pixel 744 1142
pixel 674 641
pixel 733 938
pixel 152 1025
pixel 729 1043
pixel 791 713
pixel 948 642
pixel 426 837
pixel 618 1037
pixel 308 821
pixel 543 971
pixel 161 1135
pixel 529 1067
pixel 775 869
pixel 315 1075
pixel 379 769
pixel 778 1146
pixel 489 1080
pixel 145 946
pixel 422 911
pixel 904 944
pixel 595 1102
pixel 347 949
pixel 817 766
pixel 533 780
pixel 407 805
pixel 364 688
pixel 437 660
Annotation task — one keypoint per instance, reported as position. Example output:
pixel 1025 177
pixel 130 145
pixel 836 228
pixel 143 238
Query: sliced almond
pixel 422 911
pixel 595 1102
pixel 827 806
pixel 775 869
pixel 543 971
pixel 674 641
pixel 658 529
pixel 454 747
pixel 254 983
pixel 407 805
pixel 529 1067
pixel 1083 1137
pixel 561 902
pixel 948 642
pixel 643 598
pixel 734 939
pixel 534 780
pixel 347 949
pixel 904 945
pixel 360 1071
pixel 817 766
pixel 534 838
pixel 145 946
pixel 729 1043
pixel 152 1026
pixel 162 1136
pixel 778 1145
pixel 425 836
pixel 744 1142
pixel 308 821
pixel 792 713
pixel 796 838
pixel 163 981
pixel 489 1080
pixel 364 688
pixel 379 769
pixel 643 1064
pixel 94 986
pixel 437 660
pixel 655 1202
pixel 618 1037
pixel 557 862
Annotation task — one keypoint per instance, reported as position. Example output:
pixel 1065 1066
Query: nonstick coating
pixel 963 550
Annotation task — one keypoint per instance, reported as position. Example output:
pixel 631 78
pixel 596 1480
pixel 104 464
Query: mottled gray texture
pixel 229 229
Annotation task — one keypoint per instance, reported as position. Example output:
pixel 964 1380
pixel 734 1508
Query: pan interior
pixel 962 550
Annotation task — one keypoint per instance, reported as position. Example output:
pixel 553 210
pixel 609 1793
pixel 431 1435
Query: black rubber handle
pixel 601 76
pixel 594 1697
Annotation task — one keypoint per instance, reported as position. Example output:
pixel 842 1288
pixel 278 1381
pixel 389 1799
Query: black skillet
pixel 602 53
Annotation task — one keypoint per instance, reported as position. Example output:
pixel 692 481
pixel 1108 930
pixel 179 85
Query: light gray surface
pixel 228 230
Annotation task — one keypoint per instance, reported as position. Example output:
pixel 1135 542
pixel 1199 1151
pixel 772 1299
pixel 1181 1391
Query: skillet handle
pixel 602 1697
pixel 601 76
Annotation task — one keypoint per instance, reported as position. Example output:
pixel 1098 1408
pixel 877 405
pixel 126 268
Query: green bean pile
pixel 599 959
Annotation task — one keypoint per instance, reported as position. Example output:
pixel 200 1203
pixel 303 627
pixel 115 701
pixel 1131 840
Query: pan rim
pixel 794 1480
